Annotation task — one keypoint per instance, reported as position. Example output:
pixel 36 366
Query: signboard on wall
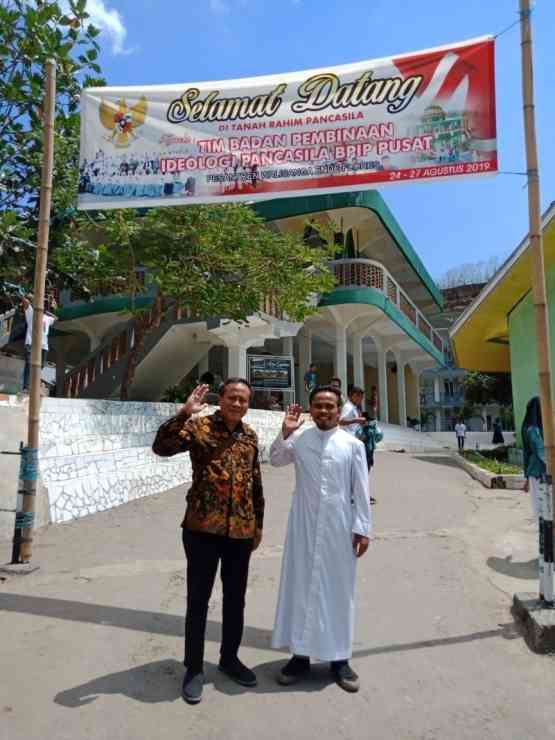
pixel 419 116
pixel 274 373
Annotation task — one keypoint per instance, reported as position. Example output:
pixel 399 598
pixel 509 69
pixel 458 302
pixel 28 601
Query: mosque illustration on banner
pixel 122 120
pixel 451 135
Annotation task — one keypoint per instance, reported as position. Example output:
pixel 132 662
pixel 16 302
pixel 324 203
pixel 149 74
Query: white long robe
pixel 315 612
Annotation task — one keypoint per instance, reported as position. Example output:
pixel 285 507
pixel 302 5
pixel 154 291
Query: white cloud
pixel 109 21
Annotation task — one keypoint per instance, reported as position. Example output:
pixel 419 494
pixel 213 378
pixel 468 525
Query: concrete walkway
pixel 91 644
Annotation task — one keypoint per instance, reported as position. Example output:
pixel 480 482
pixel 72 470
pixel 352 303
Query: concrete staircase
pixel 401 438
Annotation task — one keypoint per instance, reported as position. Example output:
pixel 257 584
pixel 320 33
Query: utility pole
pixel 540 304
pixel 30 468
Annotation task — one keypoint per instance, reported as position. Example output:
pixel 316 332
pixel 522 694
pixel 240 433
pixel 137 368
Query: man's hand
pixel 360 544
pixel 257 539
pixel 292 420
pixel 195 403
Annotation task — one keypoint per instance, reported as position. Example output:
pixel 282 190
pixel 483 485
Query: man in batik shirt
pixel 223 521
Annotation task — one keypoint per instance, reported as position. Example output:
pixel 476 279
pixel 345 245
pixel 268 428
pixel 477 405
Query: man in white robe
pixel 329 527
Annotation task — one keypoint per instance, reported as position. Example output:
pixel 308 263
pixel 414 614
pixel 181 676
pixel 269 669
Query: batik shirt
pixel 226 495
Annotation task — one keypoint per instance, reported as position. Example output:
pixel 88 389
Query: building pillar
pixel 305 358
pixel 437 392
pixel 417 374
pixel 383 401
pixel 438 420
pixel 358 360
pixel 401 394
pixel 237 361
pixel 340 360
pixel 60 368
pixel 287 346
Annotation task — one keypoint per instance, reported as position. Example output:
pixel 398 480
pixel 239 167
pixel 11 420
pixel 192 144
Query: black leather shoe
pixel 296 669
pixel 192 687
pixel 238 672
pixel 345 676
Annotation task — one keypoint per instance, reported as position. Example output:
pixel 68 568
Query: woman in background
pixel 533 451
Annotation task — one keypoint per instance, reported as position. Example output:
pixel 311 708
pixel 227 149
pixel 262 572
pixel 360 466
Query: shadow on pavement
pixel 151 683
pixel 161 680
pixel 506 566
pixel 173 625
pixel 446 460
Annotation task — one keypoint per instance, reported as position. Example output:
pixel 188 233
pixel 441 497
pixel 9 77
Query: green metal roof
pixel 108 304
pixel 372 297
pixel 272 210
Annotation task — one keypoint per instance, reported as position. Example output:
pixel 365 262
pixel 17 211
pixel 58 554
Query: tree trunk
pixel 142 326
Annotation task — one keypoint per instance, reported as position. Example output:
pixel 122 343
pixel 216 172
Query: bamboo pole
pixel 31 474
pixel 536 241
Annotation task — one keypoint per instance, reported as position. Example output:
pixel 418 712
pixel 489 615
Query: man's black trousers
pixel 204 551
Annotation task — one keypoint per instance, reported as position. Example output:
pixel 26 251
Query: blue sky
pixel 448 223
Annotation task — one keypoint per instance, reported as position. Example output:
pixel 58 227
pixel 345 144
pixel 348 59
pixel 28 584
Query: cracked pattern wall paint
pixel 95 455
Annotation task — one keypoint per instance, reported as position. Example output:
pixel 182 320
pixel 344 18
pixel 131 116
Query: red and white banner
pixel 420 116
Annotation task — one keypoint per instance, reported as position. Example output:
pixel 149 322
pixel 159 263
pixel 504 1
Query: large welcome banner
pixel 420 116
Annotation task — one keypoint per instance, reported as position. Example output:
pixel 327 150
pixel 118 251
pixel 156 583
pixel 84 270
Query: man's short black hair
pixel 356 389
pixel 325 389
pixel 234 381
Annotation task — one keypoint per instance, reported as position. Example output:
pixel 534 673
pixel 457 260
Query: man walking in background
pixel 351 413
pixel 47 320
pixel 328 529
pixel 222 524
pixel 460 431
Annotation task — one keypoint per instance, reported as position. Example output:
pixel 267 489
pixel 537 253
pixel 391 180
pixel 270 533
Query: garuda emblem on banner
pixel 122 121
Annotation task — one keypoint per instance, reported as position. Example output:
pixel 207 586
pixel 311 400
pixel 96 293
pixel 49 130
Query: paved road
pixel 91 644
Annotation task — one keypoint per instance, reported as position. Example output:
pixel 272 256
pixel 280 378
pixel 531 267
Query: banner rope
pixel 521 14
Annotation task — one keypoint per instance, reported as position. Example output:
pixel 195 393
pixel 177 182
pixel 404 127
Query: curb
pixel 490 480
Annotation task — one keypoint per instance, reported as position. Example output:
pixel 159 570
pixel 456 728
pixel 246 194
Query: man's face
pixel 335 384
pixel 234 402
pixel 356 398
pixel 324 410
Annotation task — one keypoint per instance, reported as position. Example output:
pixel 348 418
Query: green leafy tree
pixel 31 33
pixel 481 388
pixel 214 260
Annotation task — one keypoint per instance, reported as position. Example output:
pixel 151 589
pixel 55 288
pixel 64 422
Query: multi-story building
pixel 375 329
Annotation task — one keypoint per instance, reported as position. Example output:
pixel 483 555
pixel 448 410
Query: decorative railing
pixel 110 352
pixel 115 348
pixel 428 399
pixel 363 273
pixel 6 321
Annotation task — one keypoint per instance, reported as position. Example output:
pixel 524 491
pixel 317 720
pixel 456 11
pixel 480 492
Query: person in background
pixel 276 401
pixel 223 521
pixel 351 413
pixel 370 435
pixel 336 383
pixel 207 378
pixel 533 451
pixel 47 321
pixel 498 438
pixel 310 378
pixel 373 402
pixel 460 431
